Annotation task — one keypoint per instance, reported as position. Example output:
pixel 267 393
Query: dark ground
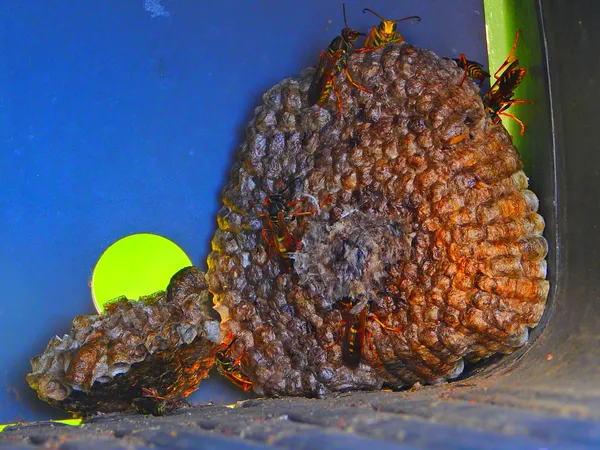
pixel 452 418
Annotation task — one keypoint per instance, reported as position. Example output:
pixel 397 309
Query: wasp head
pixel 387 28
pixel 275 203
pixel 350 35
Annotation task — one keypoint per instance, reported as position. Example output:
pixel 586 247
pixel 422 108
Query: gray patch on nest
pixel 351 257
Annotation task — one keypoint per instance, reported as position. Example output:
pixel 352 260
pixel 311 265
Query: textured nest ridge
pixel 424 215
pixel 165 343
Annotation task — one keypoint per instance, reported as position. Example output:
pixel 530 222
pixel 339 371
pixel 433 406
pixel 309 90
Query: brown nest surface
pixel 424 250
pixel 142 356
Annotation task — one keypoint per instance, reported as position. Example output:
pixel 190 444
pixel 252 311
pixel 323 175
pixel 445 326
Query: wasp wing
pixel 323 76
pixel 504 87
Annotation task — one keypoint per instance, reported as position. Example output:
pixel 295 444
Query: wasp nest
pixel 146 356
pixel 418 220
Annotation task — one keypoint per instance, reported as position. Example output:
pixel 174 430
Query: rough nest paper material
pixel 144 356
pixel 423 217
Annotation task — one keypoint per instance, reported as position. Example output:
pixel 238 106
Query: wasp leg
pixel 246 385
pixel 370 41
pixel 463 59
pixel 256 209
pixel 337 94
pixel 508 59
pixel 506 105
pixel 151 393
pixel 372 348
pixel 295 202
pixel 368 45
pixel 270 243
pixel 522 132
pixel 225 346
pixel 264 234
pixel 353 83
pixel 367 49
pixel 240 381
pixel 295 242
pixel 238 360
pixel 515 101
pixel 383 325
pixel 325 202
pixel 304 213
pixel 340 334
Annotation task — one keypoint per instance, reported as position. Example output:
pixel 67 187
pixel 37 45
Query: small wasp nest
pixel 420 249
pixel 143 355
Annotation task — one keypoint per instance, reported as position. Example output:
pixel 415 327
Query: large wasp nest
pixel 421 248
pixel 139 355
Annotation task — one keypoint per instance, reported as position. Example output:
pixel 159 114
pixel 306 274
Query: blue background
pixel 115 119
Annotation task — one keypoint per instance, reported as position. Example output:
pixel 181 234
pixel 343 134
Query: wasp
pixel 353 328
pixel 152 393
pixel 385 33
pixel 471 68
pixel 331 63
pixel 500 96
pixel 160 405
pixel 230 367
pixel 278 215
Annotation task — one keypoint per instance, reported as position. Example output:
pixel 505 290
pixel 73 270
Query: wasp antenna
pixel 517 34
pixel 344 9
pixel 514 47
pixel 409 18
pixel 372 12
pixel 230 344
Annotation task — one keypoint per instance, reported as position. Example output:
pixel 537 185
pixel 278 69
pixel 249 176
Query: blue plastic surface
pixel 118 117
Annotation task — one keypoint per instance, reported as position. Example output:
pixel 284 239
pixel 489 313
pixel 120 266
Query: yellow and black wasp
pixel 353 328
pixel 471 68
pixel 331 63
pixel 151 402
pixel 500 96
pixel 278 214
pixel 385 33
pixel 230 367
